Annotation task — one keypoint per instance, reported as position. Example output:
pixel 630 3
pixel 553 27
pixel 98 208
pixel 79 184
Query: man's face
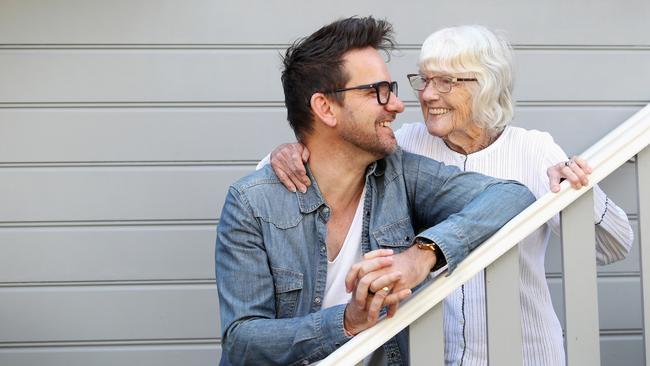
pixel 363 122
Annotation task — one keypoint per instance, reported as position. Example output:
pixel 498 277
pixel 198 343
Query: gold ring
pixel 386 289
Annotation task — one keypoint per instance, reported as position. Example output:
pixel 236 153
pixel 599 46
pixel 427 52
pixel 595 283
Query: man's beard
pixel 368 140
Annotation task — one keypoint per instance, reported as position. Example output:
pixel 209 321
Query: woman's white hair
pixel 477 50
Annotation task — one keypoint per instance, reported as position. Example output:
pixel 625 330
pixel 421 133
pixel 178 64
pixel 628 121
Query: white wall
pixel 123 122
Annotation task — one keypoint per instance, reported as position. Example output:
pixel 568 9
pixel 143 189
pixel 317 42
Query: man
pixel 282 258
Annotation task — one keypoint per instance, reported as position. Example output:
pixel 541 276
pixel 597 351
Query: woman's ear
pixel 324 109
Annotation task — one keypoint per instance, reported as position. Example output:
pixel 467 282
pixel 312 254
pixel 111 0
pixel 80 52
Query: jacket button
pixel 317 300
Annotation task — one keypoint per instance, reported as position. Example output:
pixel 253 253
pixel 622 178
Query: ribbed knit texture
pixel 524 156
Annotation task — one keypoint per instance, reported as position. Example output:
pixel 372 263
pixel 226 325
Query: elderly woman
pixel 464 86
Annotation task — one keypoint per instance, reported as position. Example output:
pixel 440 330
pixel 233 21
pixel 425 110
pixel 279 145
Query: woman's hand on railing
pixel 575 170
pixel 288 162
pixel 373 291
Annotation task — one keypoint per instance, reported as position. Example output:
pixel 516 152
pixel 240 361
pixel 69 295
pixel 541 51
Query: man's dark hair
pixel 315 64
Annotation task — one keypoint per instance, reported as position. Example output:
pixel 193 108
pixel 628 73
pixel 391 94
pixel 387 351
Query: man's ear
pixel 324 109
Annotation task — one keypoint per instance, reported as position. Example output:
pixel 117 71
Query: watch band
pixel 426 244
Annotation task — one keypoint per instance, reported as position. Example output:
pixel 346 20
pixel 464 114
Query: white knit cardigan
pixel 524 156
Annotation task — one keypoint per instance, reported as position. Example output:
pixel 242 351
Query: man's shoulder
pixel 264 196
pixel 402 160
pixel 259 178
pixel 410 166
pixel 261 184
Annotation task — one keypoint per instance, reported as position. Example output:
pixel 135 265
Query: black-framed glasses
pixel 382 90
pixel 442 84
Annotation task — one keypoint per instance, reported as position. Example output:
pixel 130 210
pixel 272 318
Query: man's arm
pixel 251 332
pixel 459 210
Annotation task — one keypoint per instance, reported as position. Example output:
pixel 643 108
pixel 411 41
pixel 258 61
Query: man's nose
pixel 395 104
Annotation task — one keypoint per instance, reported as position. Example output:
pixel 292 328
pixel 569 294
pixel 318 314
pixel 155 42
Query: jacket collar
pixel 313 198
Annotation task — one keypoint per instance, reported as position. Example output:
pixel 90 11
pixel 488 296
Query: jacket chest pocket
pixel 397 236
pixel 288 285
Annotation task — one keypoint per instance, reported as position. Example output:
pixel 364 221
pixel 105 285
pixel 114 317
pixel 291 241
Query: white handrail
pixel 605 156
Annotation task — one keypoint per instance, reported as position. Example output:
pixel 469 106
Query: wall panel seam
pixel 112 343
pixel 283 46
pixel 625 275
pixel 201 282
pixel 280 104
pixel 133 164
pixel 109 223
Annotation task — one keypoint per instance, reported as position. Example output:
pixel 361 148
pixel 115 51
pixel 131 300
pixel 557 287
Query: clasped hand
pixel 381 279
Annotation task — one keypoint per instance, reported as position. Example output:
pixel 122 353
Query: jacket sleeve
pixel 459 210
pixel 251 334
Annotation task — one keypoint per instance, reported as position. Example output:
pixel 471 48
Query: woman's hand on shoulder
pixel 288 163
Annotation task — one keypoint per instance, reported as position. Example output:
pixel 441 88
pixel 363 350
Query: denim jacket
pixel 271 256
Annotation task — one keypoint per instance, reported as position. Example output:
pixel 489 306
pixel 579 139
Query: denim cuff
pixel 332 335
pixel 452 243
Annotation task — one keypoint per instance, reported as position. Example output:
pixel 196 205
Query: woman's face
pixel 447 113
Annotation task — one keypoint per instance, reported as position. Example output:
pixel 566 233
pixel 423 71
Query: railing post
pixel 504 310
pixel 643 180
pixel 580 282
pixel 426 339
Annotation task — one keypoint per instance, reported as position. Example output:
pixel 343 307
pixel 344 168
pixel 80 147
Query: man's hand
pixel 288 162
pixel 413 265
pixel 575 170
pixel 362 312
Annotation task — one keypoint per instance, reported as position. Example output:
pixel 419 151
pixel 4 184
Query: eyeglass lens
pixel 441 83
pixel 384 89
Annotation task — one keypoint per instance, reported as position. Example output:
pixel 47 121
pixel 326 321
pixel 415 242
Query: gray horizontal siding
pixel 122 253
pixel 616 295
pixel 207 75
pixel 115 193
pixel 108 313
pixel 621 350
pixel 261 22
pixel 144 134
pixel 148 253
pixel 628 266
pixel 118 141
pixel 123 355
pixel 151 192
pixel 225 133
pixel 169 312
pixel 616 350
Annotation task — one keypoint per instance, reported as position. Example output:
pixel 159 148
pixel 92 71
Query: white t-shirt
pixel 349 254
pixel 337 269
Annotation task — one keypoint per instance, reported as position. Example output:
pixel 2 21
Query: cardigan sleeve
pixel 614 234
